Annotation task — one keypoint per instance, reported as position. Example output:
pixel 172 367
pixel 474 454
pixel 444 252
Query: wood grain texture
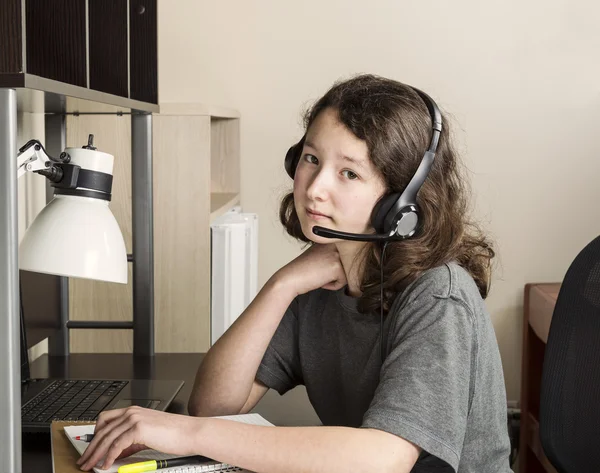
pixel 11 44
pixel 64 455
pixel 56 40
pixel 184 150
pixel 194 108
pixel 12 80
pixel 225 155
pixel 143 50
pixel 542 299
pixel 96 300
pixel 538 307
pixel 108 46
pixel 222 202
pixel 182 233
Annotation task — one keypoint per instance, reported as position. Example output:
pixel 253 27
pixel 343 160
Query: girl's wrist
pixel 281 284
pixel 197 434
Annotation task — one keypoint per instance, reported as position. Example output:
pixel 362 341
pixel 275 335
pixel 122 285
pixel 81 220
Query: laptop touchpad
pixel 150 403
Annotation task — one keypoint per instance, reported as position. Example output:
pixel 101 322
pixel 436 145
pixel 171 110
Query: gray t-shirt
pixel 441 385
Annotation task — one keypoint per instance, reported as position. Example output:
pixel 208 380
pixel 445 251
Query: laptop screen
pixel 25 372
pixel 40 311
pixel 40 305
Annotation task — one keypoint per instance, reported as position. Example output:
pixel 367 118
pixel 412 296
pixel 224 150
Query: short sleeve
pixel 280 366
pixel 425 386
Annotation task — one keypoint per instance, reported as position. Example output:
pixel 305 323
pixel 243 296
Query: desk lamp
pixel 76 234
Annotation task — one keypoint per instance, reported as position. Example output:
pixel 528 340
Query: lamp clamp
pixel 33 157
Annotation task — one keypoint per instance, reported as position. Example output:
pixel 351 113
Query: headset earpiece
pixel 381 209
pixel 386 217
pixel 292 157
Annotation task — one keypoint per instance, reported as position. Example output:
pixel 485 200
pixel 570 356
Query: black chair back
pixel 570 391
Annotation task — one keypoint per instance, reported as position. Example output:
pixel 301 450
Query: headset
pixel 396 215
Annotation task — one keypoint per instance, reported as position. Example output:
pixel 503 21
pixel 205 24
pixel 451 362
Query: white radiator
pixel 234 268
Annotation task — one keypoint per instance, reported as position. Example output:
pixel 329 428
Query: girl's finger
pixel 109 436
pixel 131 450
pixel 100 433
pixel 106 417
pixel 121 443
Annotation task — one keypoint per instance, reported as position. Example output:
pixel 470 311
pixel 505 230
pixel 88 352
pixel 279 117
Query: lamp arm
pixel 32 157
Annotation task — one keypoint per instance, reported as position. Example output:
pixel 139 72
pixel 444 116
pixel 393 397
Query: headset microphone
pixel 328 233
pixel 405 227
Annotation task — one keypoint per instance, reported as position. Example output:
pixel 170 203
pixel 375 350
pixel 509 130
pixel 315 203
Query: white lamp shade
pixel 78 237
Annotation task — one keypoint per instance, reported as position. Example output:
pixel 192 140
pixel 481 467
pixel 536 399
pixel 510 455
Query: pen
pixel 85 438
pixel 159 464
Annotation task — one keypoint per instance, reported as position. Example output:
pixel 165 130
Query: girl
pixel 419 390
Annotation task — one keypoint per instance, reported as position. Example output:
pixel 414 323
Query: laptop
pixel 45 400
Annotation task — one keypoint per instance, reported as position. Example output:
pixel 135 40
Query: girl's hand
pixel 319 266
pixel 123 432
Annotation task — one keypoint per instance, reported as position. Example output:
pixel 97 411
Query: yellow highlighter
pixel 152 465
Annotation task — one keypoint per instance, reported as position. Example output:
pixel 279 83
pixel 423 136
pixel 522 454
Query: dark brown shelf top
pixel 56 92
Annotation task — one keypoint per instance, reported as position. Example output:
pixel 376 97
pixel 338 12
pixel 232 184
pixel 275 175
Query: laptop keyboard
pixel 71 400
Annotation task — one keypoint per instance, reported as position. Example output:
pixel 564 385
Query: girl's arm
pixel 255 448
pixel 306 449
pixel 225 378
pixel 225 382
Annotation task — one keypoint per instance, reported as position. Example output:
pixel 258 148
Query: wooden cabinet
pixel 539 302
pixel 108 46
pixel 196 177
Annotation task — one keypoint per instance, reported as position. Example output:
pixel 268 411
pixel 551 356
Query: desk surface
pixel 542 298
pixel 291 409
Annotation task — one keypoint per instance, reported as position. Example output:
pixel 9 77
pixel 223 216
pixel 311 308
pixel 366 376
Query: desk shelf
pixel 221 202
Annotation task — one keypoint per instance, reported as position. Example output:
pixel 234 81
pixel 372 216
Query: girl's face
pixel 335 186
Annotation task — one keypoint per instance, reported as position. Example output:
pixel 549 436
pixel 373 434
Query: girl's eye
pixel 311 159
pixel 349 174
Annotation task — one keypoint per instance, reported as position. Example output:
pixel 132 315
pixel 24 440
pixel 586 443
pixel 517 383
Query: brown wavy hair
pixel 396 126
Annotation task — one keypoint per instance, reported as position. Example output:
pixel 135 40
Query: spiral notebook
pixel 73 431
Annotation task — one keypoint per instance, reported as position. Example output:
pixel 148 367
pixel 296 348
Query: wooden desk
pixel 291 409
pixel 538 306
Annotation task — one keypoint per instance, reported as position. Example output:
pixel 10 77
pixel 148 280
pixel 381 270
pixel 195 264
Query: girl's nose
pixel 319 186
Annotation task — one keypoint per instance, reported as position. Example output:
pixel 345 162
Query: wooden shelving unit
pixel 221 202
pixel 196 156
pixel 197 178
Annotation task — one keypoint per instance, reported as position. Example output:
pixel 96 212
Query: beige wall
pixel 520 79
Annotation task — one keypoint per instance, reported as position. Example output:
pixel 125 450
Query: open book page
pixel 145 455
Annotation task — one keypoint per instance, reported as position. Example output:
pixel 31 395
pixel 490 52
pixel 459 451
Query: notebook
pixel 73 431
